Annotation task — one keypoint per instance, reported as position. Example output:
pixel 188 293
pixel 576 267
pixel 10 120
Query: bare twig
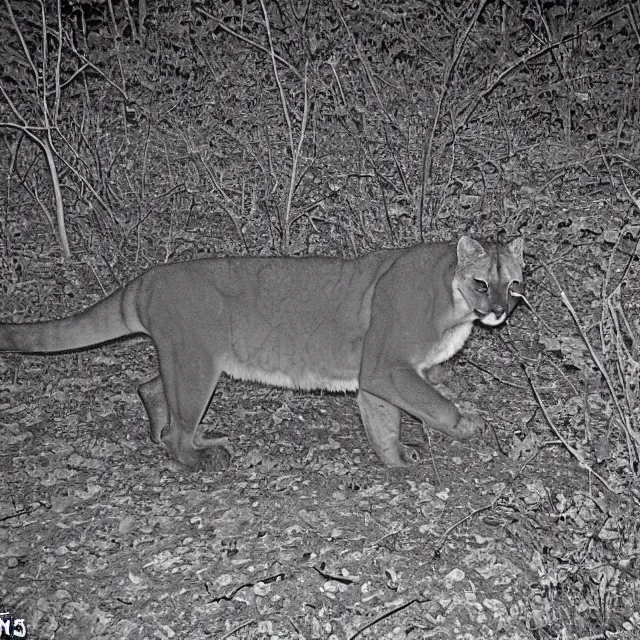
pixel 90 64
pixel 495 375
pixel 574 452
pixel 624 360
pixel 130 20
pixel 333 576
pixel 227 200
pixel 25 49
pixel 53 172
pixel 296 159
pixel 636 203
pixel 632 20
pixel 58 86
pixel 232 593
pixel 45 66
pixel 364 62
pixel 382 616
pixel 237 628
pixel 395 532
pixel 486 507
pixel 427 158
pixel 524 60
pixel 101 201
pixel 283 99
pixel 257 45
pixel 631 434
pixel 294 150
pixel 457 523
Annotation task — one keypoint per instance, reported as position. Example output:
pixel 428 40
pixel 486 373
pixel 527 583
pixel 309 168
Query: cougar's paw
pixel 216 458
pixel 217 453
pixel 468 425
pixel 400 455
pixel 209 455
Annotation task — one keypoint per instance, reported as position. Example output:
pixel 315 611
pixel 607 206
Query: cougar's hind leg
pixel 189 378
pixel 381 422
pixel 152 395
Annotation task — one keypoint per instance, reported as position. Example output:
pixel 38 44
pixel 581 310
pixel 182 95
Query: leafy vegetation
pixel 137 133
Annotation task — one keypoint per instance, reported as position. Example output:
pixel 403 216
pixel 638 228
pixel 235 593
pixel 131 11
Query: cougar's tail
pixel 111 318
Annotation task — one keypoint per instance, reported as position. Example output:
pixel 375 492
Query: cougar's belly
pixel 309 360
pixel 295 370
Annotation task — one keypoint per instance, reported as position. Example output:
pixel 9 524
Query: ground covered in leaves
pixel 141 133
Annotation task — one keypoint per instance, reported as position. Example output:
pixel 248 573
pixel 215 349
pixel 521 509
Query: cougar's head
pixel 489 277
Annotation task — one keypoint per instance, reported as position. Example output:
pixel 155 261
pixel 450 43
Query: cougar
pixel 375 324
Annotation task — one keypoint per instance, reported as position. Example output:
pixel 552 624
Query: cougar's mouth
pixel 491 318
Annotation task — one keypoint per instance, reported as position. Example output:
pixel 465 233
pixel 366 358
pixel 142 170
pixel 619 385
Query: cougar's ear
pixel 469 249
pixel 516 247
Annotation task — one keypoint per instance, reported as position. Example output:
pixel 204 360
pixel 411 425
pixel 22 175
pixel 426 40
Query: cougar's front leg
pixel 381 422
pixel 418 397
pixel 401 387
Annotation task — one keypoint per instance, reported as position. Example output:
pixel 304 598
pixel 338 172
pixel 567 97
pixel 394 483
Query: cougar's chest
pixel 450 343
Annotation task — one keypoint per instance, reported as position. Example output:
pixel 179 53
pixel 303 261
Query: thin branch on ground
pixel 633 438
pixel 574 452
pixel 383 616
pixel 237 628
pixel 487 507
pixel 495 376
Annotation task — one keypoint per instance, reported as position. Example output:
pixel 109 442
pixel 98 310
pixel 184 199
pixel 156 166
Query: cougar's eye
pixel 480 285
